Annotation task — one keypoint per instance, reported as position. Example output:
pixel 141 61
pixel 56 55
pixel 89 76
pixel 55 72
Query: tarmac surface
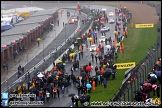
pixel 65 101
pixel 56 41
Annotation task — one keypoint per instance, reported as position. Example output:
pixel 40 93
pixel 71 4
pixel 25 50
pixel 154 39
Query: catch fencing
pixel 139 73
pixel 49 60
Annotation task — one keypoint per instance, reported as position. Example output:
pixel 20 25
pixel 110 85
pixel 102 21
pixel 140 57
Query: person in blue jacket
pixel 104 83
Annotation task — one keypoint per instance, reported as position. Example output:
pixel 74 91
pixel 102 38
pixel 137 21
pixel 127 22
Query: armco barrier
pixel 44 64
pixel 139 73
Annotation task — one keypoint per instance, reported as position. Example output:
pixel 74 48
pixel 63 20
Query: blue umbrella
pixel 153 75
pixel 55 72
pixel 88 86
pixel 158 73
pixel 93 33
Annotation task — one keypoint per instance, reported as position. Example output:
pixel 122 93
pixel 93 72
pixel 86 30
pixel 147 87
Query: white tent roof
pixel 25 9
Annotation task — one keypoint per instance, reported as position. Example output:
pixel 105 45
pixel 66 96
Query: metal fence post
pixel 150 59
pixel 140 74
pixel 145 64
pixel 123 93
pixel 127 89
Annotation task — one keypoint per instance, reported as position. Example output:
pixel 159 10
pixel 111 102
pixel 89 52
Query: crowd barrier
pixel 47 61
pixel 139 73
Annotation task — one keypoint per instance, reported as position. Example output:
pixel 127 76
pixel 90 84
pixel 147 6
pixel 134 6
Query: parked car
pixel 111 14
pixel 105 29
pixel 111 21
pixel 102 39
pixel 92 48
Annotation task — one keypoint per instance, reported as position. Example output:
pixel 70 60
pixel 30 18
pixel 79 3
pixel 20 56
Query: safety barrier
pixel 139 73
pixel 48 60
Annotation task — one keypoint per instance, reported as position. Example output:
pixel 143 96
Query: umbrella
pixel 93 33
pixel 125 7
pixel 102 19
pixel 118 44
pixel 108 70
pixel 153 79
pixel 38 39
pixel 82 74
pixel 153 75
pixel 76 97
pixel 158 72
pixel 99 73
pixel 108 46
pixel 119 26
pixel 88 86
pixel 55 73
pixel 32 90
pixel 71 95
pixel 72 54
pixel 89 39
pixel 40 75
pixel 88 68
pixel 158 65
pixel 59 61
pixel 78 38
pixel 149 100
pixel 115 32
pixel 83 99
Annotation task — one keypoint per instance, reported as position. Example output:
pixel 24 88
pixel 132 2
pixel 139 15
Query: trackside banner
pixel 144 25
pixel 125 65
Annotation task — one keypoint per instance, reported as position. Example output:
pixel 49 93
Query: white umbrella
pixel 40 75
pixel 108 47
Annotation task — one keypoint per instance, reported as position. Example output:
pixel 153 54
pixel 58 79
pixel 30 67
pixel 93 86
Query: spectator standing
pixel 104 83
pixel 47 96
pixel 58 92
pixel 7 66
pixel 72 100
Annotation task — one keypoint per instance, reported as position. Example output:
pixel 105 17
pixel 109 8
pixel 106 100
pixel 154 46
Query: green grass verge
pixel 136 45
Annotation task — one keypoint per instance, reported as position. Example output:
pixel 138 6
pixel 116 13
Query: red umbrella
pixel 103 19
pixel 88 68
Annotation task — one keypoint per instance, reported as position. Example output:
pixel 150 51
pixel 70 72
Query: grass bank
pixel 136 45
